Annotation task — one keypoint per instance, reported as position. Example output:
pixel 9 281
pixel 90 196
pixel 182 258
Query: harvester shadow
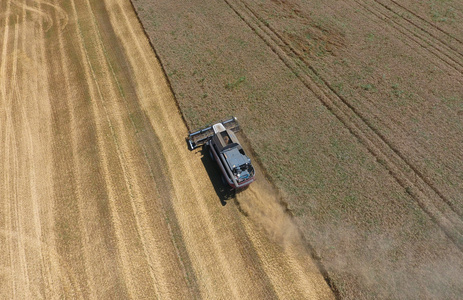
pixel 224 192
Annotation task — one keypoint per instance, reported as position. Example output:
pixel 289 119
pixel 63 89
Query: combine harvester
pixel 226 150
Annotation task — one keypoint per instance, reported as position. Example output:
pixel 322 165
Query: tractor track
pixel 424 21
pixel 433 38
pixel 423 191
pixel 427 181
pixel 377 116
pixel 444 52
pixel 363 118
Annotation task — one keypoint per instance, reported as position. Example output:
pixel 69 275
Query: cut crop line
pixel 147 238
pixel 142 145
pixel 7 148
pixel 8 214
pixel 276 266
pixel 6 246
pixel 30 155
pixel 32 159
pixel 76 172
pixel 125 171
pixel 375 142
pixel 3 61
pixel 166 206
pixel 16 97
pixel 94 89
pixel 55 277
pixel 70 279
pixel 35 243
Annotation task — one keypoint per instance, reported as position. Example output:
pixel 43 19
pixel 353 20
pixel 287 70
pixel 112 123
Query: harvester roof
pixel 235 158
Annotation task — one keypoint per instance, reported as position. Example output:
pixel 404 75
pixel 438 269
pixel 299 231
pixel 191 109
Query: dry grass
pixel 398 71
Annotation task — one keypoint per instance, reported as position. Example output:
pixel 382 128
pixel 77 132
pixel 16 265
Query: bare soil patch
pixel 354 109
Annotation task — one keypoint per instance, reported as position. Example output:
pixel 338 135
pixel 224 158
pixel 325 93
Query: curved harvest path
pixel 99 195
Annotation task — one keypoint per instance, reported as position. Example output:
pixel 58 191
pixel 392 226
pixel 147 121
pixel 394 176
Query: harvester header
pixel 200 137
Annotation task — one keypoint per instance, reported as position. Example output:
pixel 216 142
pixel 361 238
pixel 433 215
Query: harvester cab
pixel 226 150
